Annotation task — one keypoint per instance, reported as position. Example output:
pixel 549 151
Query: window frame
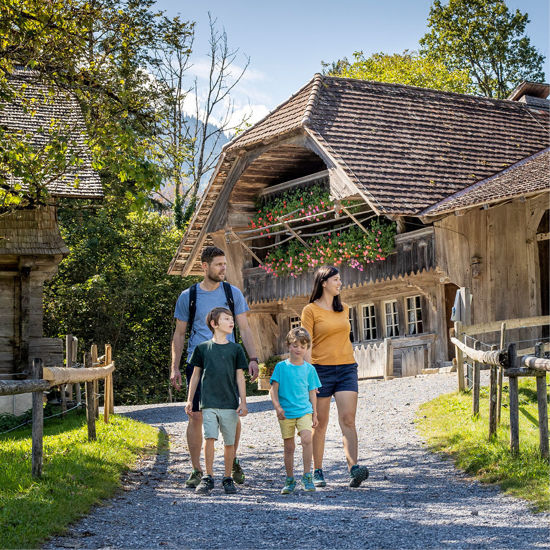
pixel 395 319
pixel 372 316
pixel 418 317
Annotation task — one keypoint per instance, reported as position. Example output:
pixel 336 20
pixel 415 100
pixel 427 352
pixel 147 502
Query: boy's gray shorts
pixel 224 419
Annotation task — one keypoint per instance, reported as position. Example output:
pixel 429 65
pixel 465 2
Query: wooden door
pixel 8 325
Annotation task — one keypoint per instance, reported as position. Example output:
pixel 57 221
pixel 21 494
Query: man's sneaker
pixel 357 475
pixel 290 485
pixel 194 479
pixel 307 482
pixel 229 486
pixel 319 478
pixel 205 486
pixel 237 472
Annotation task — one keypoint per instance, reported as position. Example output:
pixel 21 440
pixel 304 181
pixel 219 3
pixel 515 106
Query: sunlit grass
pixel 448 426
pixel 76 474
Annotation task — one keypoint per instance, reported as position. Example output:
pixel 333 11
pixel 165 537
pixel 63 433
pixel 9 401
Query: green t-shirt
pixel 219 364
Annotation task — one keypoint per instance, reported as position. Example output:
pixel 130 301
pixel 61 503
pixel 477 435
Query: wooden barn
pixel 31 246
pixel 462 179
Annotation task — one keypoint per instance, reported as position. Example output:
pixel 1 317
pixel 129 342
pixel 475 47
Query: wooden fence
pixel 505 361
pixel 45 378
pixel 374 360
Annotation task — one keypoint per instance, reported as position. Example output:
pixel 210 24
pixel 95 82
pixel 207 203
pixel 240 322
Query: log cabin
pixel 31 245
pixel 449 171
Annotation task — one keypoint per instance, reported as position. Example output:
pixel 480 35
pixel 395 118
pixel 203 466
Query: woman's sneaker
pixel 357 475
pixel 205 486
pixel 307 482
pixel 194 479
pixel 290 485
pixel 229 486
pixel 319 478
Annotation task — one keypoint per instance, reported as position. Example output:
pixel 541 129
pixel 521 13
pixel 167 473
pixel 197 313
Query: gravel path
pixel 413 499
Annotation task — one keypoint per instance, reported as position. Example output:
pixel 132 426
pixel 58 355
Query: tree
pixel 190 153
pixel 486 39
pixel 406 68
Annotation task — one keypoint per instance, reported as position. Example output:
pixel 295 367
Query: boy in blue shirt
pixel 293 392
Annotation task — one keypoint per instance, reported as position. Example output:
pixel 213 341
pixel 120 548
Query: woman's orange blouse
pixel 329 332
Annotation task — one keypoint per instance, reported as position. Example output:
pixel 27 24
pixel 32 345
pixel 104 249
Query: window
pixel 391 318
pixel 368 315
pixel 295 322
pixel 352 325
pixel 414 315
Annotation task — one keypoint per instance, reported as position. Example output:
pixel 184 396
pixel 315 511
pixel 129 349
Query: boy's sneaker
pixel 307 482
pixel 290 485
pixel 205 486
pixel 319 478
pixel 229 486
pixel 237 472
pixel 194 479
pixel 357 475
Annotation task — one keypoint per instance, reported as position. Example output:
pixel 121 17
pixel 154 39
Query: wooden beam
pixel 495 326
pixel 14 387
pixel 488 357
pixel 61 375
pixel 243 244
pixel 37 421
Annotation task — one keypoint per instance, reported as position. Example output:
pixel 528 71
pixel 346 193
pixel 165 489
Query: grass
pixel 448 426
pixel 76 474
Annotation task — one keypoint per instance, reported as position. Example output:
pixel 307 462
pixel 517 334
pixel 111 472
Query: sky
pixel 287 40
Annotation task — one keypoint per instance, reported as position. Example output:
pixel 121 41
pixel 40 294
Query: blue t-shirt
pixel 207 300
pixel 295 383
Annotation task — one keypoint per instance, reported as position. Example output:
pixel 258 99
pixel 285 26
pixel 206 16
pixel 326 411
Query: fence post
pixel 493 400
pixel 543 408
pixel 514 401
pixel 475 388
pixel 37 421
pixel 459 358
pixel 68 364
pixel 107 387
pixel 388 367
pixel 78 391
pixel 500 372
pixel 90 405
pixel 95 383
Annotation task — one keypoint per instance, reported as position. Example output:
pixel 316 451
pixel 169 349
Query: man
pixel 210 293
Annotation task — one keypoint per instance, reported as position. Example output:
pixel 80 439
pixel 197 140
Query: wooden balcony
pixel 414 252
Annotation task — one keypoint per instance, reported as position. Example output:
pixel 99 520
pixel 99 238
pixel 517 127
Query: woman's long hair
pixel 321 275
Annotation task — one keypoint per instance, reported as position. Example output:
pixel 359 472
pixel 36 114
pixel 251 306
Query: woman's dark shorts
pixel 335 378
pixel 196 400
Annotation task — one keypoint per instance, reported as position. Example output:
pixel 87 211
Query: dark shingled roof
pixel 31 232
pixel 528 176
pixel 406 147
pixel 79 181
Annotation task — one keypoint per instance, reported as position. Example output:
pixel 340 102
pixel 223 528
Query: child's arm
pixel 193 383
pixel 274 394
pixel 313 401
pixel 242 409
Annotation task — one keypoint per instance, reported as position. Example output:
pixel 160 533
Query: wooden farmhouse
pixel 463 179
pixel 31 246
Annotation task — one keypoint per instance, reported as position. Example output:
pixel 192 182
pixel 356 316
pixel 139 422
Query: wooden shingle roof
pixel 404 148
pixel 78 181
pixel 527 177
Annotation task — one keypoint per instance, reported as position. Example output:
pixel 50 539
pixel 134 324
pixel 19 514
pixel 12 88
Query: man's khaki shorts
pixel 290 425
pixel 223 419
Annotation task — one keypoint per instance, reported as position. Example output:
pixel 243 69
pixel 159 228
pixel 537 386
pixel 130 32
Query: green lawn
pixel 76 474
pixel 448 426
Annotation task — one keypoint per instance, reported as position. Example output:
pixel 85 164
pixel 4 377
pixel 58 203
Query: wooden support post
pixel 37 421
pixel 388 368
pixel 107 387
pixel 95 383
pixel 514 401
pixel 108 361
pixel 459 358
pixel 90 405
pixel 543 407
pixel 475 389
pixel 500 372
pixel 68 364
pixel 493 400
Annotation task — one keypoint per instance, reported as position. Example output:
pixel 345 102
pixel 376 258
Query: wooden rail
pixel 513 367
pixel 44 378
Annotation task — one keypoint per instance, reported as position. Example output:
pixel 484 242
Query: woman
pixel 327 321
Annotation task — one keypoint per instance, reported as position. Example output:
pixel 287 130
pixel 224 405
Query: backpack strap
pixel 229 297
pixel 192 308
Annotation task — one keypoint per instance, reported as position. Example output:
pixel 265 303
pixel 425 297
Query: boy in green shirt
pixel 218 364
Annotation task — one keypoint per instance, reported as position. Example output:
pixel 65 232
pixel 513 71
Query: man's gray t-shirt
pixel 207 300
pixel 219 364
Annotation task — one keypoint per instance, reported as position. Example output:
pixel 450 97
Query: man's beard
pixel 216 278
